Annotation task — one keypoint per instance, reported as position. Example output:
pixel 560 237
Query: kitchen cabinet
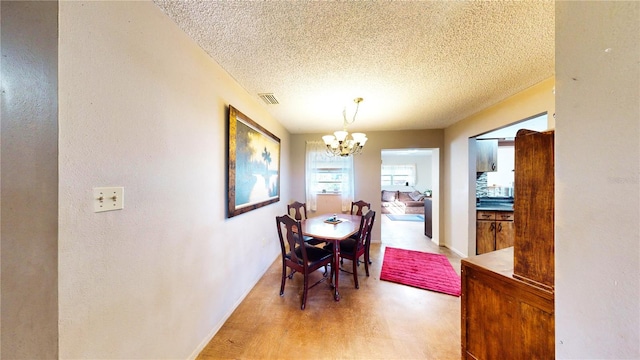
pixel 487 155
pixel 495 230
pixel 508 297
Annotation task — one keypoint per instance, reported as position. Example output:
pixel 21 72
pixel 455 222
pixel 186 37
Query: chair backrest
pixel 290 240
pixel 366 226
pixel 297 210
pixel 358 206
pixel 370 230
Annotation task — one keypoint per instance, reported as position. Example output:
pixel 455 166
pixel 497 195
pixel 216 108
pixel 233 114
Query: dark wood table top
pixel 317 227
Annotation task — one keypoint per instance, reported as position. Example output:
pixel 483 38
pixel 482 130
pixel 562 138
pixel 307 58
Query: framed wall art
pixel 253 175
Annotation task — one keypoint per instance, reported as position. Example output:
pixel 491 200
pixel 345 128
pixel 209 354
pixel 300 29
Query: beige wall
pixel 143 107
pixel 597 252
pixel 29 180
pixel 459 175
pixel 367 166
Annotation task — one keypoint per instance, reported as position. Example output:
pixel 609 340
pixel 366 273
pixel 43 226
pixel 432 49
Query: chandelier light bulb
pixel 358 137
pixel 341 135
pixel 328 139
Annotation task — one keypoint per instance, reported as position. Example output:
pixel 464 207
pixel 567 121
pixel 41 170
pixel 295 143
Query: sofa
pixel 402 202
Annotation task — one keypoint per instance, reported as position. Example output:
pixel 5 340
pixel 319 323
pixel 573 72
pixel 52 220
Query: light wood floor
pixel 381 320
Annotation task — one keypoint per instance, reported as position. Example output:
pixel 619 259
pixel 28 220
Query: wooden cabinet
pixel 486 155
pixel 534 204
pixel 328 204
pixel 508 295
pixel 495 230
pixel 428 218
pixel 503 317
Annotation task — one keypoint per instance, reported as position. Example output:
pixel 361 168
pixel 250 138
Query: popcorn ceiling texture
pixel 418 65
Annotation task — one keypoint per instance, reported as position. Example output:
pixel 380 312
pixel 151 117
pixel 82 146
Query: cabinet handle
pixel 492 227
pixel 493 166
pixel 499 227
pixel 486 215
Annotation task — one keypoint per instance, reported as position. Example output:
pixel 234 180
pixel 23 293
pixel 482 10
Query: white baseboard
pixel 219 325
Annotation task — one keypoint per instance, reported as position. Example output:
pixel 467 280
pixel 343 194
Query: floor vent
pixel 269 98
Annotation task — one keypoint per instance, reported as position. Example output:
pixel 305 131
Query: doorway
pixel 495 184
pixel 407 177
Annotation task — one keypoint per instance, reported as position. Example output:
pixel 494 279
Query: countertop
pixel 492 204
pixel 495 207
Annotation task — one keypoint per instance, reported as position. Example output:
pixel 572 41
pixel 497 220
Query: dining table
pixel 322 227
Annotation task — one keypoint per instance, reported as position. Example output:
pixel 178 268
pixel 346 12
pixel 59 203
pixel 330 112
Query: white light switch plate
pixel 108 198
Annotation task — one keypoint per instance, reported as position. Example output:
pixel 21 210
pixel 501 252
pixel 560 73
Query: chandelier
pixel 339 144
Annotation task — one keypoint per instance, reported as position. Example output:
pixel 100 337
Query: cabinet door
pixel 503 318
pixel 485 236
pixel 486 155
pixel 491 330
pixel 534 187
pixel 505 234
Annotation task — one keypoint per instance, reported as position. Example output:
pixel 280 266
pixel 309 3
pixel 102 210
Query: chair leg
pixel 304 291
pixel 284 275
pixel 366 264
pixel 355 272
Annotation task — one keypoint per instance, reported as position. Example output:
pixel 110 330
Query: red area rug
pixel 419 269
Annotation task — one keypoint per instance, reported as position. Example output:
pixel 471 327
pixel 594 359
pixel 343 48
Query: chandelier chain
pixel 344 113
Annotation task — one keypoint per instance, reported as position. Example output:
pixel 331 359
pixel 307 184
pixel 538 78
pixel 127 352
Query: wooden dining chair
pixel 298 211
pixel 352 249
pixel 299 256
pixel 357 207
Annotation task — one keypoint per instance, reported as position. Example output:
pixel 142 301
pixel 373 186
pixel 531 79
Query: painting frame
pixel 253 175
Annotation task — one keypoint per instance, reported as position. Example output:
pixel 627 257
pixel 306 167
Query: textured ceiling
pixel 418 65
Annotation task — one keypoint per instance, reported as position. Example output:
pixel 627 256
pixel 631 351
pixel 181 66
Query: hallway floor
pixel 381 320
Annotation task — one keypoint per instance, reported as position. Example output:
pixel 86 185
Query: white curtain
pixel 324 172
pixel 399 174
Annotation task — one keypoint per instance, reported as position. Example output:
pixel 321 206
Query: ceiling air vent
pixel 269 98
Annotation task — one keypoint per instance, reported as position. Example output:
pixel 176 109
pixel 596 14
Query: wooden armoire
pixel 508 295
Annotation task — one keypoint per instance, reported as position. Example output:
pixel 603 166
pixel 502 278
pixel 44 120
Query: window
pixel 327 174
pixel 500 183
pixel 506 160
pixel 398 175
pixel 328 180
